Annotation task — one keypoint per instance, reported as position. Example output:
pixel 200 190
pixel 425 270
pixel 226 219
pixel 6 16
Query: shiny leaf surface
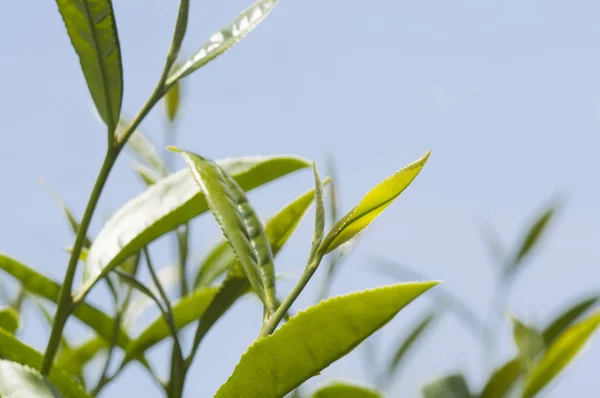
pixel 170 202
pixel 371 206
pixel 224 39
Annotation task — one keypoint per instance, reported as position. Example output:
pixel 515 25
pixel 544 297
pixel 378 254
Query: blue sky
pixel 505 94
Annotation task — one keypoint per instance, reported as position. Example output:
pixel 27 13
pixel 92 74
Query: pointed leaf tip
pixel 314 338
pixel 173 148
pixel 371 206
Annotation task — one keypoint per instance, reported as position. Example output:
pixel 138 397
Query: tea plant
pixel 542 351
pixel 283 356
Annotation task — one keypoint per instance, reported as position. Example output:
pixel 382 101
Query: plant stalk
pixel 271 324
pixel 65 304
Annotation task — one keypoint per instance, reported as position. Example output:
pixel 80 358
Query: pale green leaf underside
pixel 93 32
pixel 344 390
pixel 172 201
pixel 315 338
pixel 19 381
pixel 278 229
pixel 41 286
pixel 239 223
pixel 371 206
pixel 453 386
pixel 185 311
pixel 12 349
pixel 560 353
pixel 224 39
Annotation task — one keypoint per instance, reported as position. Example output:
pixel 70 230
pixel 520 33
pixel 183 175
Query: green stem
pixel 272 323
pixel 182 241
pixel 65 304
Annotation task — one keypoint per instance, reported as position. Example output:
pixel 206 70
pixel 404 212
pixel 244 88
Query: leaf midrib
pixel 100 57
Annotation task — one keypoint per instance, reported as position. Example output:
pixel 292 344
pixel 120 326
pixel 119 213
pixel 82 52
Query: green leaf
pixel 75 359
pixel 73 221
pixel 224 39
pixel 172 100
pixel 560 354
pixel 565 319
pixel 219 260
pixel 502 379
pixel 39 285
pixel 93 32
pixel 12 349
pixel 319 216
pixel 315 338
pixel 278 229
pixel 9 320
pixel 344 390
pixel 532 237
pixel 239 223
pixel 505 376
pixel 18 381
pixel 453 386
pixel 408 343
pixel 178 35
pixel 172 201
pixel 371 206
pixel 528 340
pixel 185 311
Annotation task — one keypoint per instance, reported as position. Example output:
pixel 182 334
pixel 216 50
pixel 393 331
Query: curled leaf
pixel 240 225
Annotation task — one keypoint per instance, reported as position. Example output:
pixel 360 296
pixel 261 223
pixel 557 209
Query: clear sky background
pixel 505 93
